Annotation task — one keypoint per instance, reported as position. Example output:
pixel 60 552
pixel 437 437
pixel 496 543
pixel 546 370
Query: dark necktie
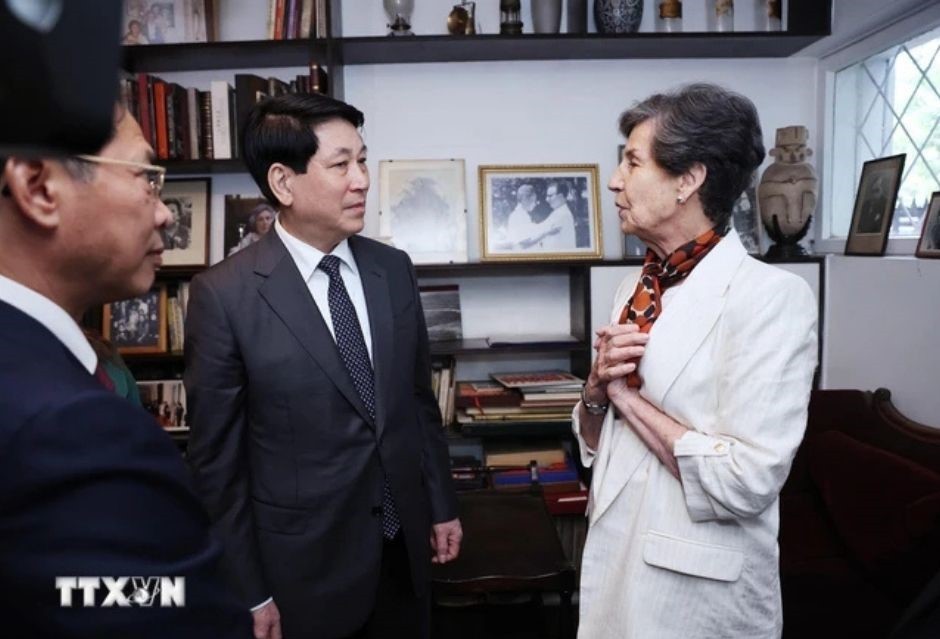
pixel 352 348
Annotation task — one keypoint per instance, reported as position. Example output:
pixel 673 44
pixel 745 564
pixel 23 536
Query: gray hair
pixel 704 124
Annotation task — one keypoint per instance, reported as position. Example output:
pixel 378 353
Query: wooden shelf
pixel 494 430
pixel 809 20
pixel 200 56
pixel 477 346
pixel 491 48
pixel 504 268
pixel 152 358
pixel 201 167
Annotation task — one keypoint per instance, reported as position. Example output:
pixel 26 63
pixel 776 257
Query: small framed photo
pixel 746 221
pixel 164 21
pixel 874 206
pixel 441 305
pixel 186 236
pixel 137 325
pixel 423 209
pixel 540 212
pixel 247 220
pixel 929 244
pixel 166 400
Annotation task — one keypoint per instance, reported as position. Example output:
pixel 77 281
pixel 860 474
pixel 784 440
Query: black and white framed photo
pixel 164 21
pixel 137 325
pixel 540 212
pixel 247 220
pixel 874 205
pixel 441 305
pixel 929 243
pixel 166 400
pixel 745 220
pixel 423 209
pixel 186 236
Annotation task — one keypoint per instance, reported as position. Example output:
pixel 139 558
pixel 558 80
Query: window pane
pixel 885 105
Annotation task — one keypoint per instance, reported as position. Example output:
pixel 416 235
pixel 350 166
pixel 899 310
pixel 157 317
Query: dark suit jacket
pixel 284 452
pixel 91 486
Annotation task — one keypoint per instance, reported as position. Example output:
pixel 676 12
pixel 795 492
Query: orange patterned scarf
pixel 644 306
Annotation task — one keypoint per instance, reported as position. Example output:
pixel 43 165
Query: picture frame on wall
pixel 745 220
pixel 632 245
pixel 139 324
pixel 165 399
pixel 874 205
pixel 929 243
pixel 423 209
pixel 540 212
pixel 166 22
pixel 186 236
pixel 247 220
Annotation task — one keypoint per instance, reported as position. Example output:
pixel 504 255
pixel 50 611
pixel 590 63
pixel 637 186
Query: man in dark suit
pixel 316 441
pixel 92 492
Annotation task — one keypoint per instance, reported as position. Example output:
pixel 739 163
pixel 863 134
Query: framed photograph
pixel 166 400
pixel 186 236
pixel 423 209
pixel 164 21
pixel 929 244
pixel 540 212
pixel 874 206
pixel 137 325
pixel 441 305
pixel 746 221
pixel 247 220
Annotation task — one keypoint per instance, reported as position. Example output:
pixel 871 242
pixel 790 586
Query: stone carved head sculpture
pixel 787 192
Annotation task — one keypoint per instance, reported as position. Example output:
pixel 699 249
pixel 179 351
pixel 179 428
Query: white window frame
pixel 892 35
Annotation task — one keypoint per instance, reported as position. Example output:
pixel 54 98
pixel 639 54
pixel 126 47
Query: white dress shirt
pixel 53 317
pixel 307 258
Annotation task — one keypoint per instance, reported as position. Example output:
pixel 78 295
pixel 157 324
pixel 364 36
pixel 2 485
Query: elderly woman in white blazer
pixel 698 396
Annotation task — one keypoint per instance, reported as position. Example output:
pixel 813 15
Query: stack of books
pixel 555 470
pixel 542 396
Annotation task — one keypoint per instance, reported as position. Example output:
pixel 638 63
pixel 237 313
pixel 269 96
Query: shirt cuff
pixel 694 443
pixel 587 453
pixel 262 604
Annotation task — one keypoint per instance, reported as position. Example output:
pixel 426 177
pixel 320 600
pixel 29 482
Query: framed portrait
pixel 186 236
pixel 137 325
pixel 247 220
pixel 164 21
pixel 746 221
pixel 441 305
pixel 423 209
pixel 929 243
pixel 632 245
pixel 166 400
pixel 540 212
pixel 874 206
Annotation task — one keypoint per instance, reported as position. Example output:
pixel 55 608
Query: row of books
pixel 185 123
pixel 176 317
pixel 544 396
pixel 442 384
pixel 297 19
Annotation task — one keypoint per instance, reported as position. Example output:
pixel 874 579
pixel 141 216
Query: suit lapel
pixel 379 305
pixel 288 296
pixel 689 318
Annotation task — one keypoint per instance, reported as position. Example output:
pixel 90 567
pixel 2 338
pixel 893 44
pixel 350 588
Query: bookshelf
pixel 809 20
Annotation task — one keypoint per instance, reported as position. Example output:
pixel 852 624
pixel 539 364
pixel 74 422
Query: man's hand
pixel 267 621
pixel 445 541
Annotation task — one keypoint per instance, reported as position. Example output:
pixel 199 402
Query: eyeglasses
pixel 156 175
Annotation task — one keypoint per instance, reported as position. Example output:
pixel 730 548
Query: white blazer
pixel 732 358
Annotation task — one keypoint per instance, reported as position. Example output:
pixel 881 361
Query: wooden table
pixel 510 546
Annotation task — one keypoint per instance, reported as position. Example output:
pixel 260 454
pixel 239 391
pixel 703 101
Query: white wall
pixel 547 112
pixel 882 319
